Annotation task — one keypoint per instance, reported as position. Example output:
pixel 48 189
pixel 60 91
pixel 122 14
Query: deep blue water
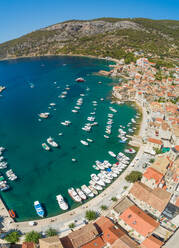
pixel 42 175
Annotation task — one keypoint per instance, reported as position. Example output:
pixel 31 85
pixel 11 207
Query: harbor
pixel 61 142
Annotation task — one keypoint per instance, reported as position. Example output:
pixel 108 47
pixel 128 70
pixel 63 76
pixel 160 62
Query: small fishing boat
pixel 80 79
pixel 95 167
pixel 89 140
pixel 44 115
pixel 130 150
pixel 39 209
pixel 112 154
pixel 74 160
pixel 84 142
pixel 45 147
pixel 12 213
pixel 61 202
pixel 81 194
pixel 106 136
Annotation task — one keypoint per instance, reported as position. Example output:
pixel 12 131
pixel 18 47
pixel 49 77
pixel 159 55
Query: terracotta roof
pixel 28 245
pixel 177 202
pixel 95 243
pixel 177 148
pixel 151 173
pixel 103 223
pixel 139 220
pixel 155 141
pixel 83 236
pixel 111 234
pixel 151 242
pixel 156 198
pixel 125 242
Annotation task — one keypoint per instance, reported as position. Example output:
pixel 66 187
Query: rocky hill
pixel 100 37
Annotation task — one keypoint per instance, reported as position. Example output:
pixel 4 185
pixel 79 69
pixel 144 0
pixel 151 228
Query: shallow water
pixel 42 175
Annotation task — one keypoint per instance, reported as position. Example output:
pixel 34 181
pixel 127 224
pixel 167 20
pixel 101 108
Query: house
pixel 137 223
pixel 124 242
pixel 81 237
pixel 152 200
pixel 113 236
pixel 152 177
pixel 98 242
pixel 161 164
pixel 156 143
pixel 151 242
pixel 50 242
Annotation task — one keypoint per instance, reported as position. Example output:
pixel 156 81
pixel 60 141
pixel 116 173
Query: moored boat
pixel 12 213
pixel 61 202
pixel 39 209
pixel 81 194
pixel 73 194
pixel 87 191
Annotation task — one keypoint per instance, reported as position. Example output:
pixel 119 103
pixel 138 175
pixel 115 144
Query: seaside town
pixel 143 213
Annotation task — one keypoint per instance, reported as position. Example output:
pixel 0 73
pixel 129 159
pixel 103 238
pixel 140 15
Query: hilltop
pixel 104 37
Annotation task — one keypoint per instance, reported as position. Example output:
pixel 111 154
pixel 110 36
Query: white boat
pixel 112 154
pixel 95 167
pixel 104 178
pixel 60 134
pixel 74 195
pixel 95 192
pixel 130 150
pixel 51 142
pixel 107 174
pixel 87 191
pixel 89 140
pixel 74 111
pixel 133 121
pixel 52 104
pixel 44 115
pixel 106 136
pixel 81 194
pixel 97 180
pixel 84 142
pixel 95 186
pixel 61 202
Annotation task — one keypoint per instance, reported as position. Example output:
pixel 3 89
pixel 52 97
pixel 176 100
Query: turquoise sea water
pixel 42 175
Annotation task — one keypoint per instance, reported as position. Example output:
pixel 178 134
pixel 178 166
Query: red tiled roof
pixel 151 173
pixel 139 220
pixel 177 148
pixel 104 223
pixel 151 242
pixel 28 245
pixel 95 243
pixel 155 141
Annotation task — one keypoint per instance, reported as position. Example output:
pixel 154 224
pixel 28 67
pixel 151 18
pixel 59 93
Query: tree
pixel 134 176
pixel 13 237
pixel 91 215
pixel 114 199
pixel 32 237
pixel 51 232
pixel 72 225
pixel 104 207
